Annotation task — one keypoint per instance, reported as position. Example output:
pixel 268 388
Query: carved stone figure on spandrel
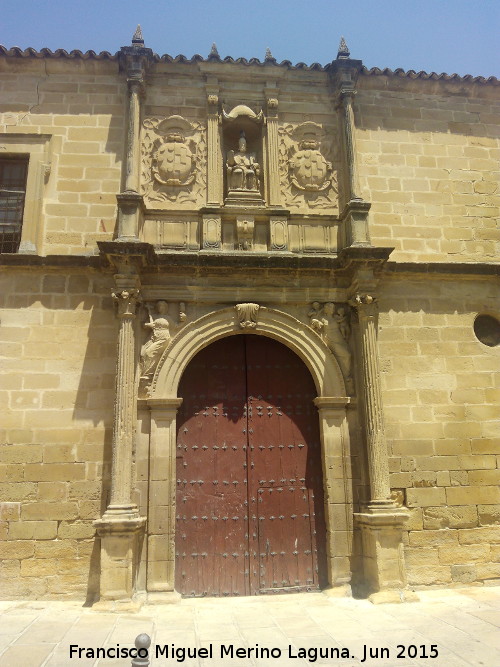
pixel 343 322
pixel 153 348
pixel 243 170
pixel 314 315
pixel 332 325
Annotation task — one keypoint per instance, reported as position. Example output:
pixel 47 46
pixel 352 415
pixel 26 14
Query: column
pixel 381 521
pixel 378 463
pixel 134 60
pixel 337 483
pixel 353 190
pixel 355 211
pixel 162 489
pixel 121 524
pixel 273 176
pixel 214 170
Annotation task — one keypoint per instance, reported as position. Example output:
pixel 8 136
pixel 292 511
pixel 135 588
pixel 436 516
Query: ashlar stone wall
pixel 441 391
pixel 57 370
pixel 429 161
pixel 78 106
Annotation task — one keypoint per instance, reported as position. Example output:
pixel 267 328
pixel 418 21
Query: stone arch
pixel 163 403
pixel 281 326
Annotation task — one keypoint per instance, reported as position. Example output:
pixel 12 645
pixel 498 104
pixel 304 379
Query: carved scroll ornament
pixel 247 315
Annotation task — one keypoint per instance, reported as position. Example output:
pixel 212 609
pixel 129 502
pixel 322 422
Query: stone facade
pixel 349 214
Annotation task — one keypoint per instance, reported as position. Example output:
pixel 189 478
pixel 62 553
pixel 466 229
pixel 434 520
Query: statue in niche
pixel 331 322
pixel 153 348
pixel 243 170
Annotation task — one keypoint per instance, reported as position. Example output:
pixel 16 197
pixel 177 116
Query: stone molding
pixel 276 324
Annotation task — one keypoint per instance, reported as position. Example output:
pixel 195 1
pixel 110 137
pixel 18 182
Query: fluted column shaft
pixel 272 152
pixel 214 175
pixel 133 134
pixel 353 189
pixel 123 427
pixel 378 463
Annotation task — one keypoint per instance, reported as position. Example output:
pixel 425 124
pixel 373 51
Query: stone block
pixel 17 549
pixel 419 557
pixel 17 491
pixel 473 495
pixel 56 549
pixel 480 536
pixel 75 531
pixel 33 530
pixel 47 511
pixel 488 514
pixel 10 511
pixel 435 538
pixel 429 576
pixel 37 568
pixel 457 555
pixel 425 497
pixel 450 517
pixel 464 574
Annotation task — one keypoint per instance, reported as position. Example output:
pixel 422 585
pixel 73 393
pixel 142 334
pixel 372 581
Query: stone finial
pixel 213 51
pixel 269 56
pixel 343 52
pixel 142 644
pixel 138 39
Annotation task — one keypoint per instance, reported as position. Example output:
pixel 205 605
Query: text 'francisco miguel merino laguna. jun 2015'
pixel 230 651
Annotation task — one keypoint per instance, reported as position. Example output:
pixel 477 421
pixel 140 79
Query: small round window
pixel 487 330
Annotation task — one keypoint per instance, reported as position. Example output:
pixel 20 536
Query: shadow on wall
pixel 64 359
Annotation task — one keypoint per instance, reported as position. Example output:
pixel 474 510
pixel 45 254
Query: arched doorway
pixel 249 499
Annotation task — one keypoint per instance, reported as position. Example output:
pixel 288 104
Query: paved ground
pixel 462 626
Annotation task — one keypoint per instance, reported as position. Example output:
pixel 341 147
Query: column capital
pixel 365 304
pixel 126 300
pixel 164 407
pixel 332 402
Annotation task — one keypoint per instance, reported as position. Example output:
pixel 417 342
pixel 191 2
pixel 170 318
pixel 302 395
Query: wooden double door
pixel 249 505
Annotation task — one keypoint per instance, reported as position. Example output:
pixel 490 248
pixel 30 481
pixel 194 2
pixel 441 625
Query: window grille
pixel 13 174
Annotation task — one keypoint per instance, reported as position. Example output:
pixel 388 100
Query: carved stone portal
pixel 173 161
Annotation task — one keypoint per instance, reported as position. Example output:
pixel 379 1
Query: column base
pixel 119 530
pixel 381 524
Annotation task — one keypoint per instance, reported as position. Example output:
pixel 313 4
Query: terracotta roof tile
pixel 17 52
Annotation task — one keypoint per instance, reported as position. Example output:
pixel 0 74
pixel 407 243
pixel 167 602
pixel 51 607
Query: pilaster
pixel 337 482
pixel 121 527
pixel 354 210
pixel 162 488
pixel 274 198
pixel 381 521
pixel 214 166
pixel 134 60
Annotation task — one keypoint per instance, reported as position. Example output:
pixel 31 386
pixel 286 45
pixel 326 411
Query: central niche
pixel 243 157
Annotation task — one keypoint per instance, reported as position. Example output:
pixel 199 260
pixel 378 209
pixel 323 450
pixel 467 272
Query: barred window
pixel 13 175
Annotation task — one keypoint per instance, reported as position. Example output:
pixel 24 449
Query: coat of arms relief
pixel 308 177
pixel 173 161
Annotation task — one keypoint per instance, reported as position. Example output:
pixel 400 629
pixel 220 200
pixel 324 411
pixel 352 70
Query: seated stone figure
pixel 242 169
